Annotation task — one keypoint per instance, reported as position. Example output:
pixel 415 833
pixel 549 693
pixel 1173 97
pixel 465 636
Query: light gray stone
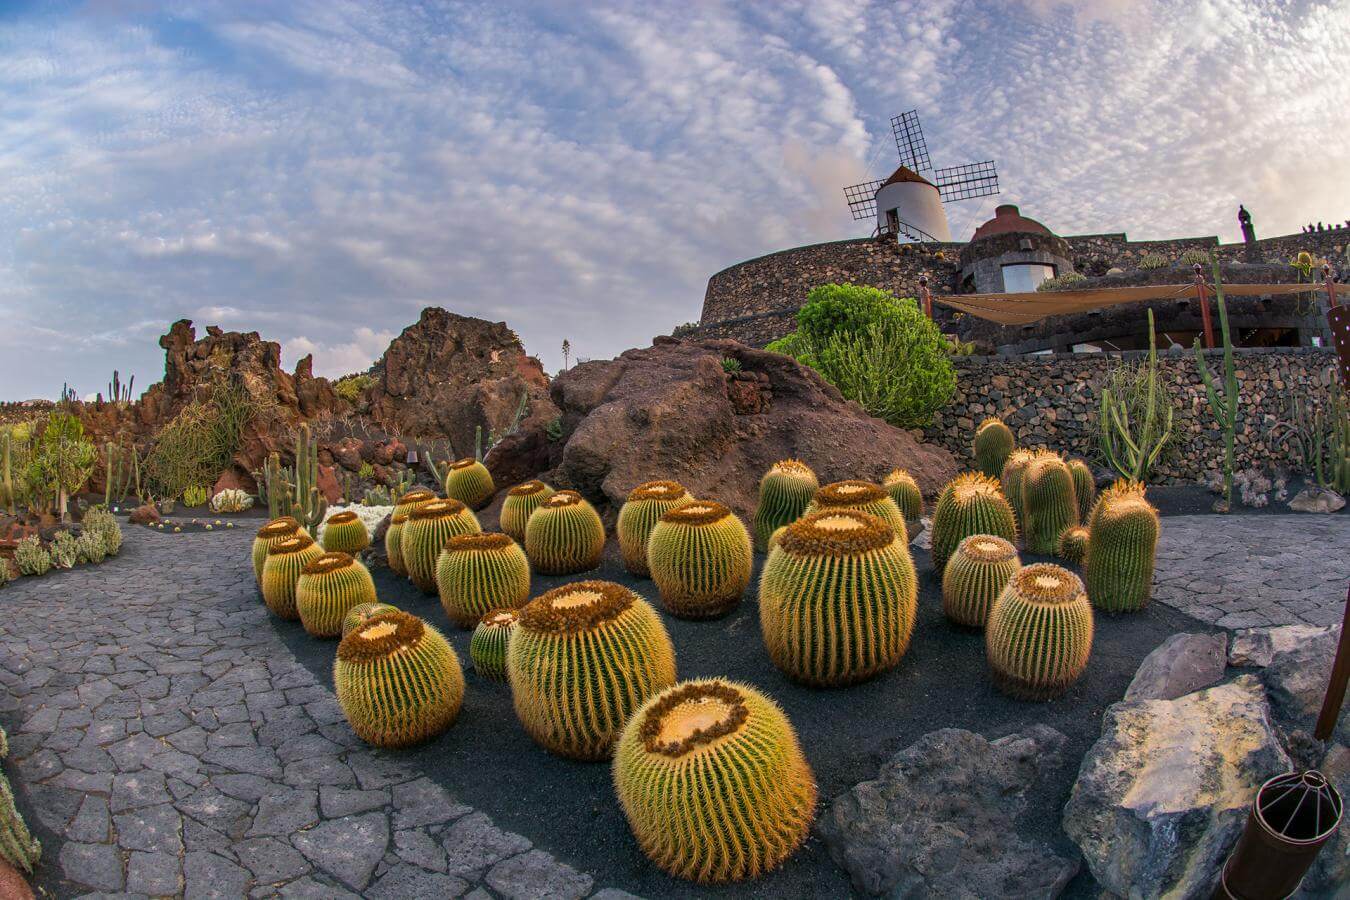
pixel 474 843
pixel 209 876
pixel 1259 646
pixel 98 866
pixel 154 874
pixel 348 848
pixel 1179 665
pixel 405 881
pixel 538 876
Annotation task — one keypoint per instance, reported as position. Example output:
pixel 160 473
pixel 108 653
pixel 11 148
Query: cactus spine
pixel 425 533
pixel 713 782
pixel 1072 545
pixel 863 496
pixel 344 532
pixel 1084 487
pixel 477 573
pixel 1011 482
pixel 520 501
pixel 487 647
pixel 838 598
pixel 270 535
pixel 784 493
pixel 992 445
pixel 328 588
pixel 363 612
pixel 1224 407
pixel 281 572
pixel 904 490
pixel 583 658
pixel 975 576
pixel 645 505
pixel 468 481
pixel 971 503
pixel 700 557
pixel 564 535
pixel 1039 635
pixel 1122 541
pixel 1049 503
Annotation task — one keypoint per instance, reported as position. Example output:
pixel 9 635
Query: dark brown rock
pixel 347 453
pixel 144 515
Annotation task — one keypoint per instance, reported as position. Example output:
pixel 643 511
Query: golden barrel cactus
pixel 564 535
pixel 480 572
pixel 327 590
pixel 468 481
pixel 1122 544
pixel 282 570
pixel 904 490
pixel 863 496
pixel 974 577
pixel 1011 482
pixel 992 446
pixel 363 612
pixel 1039 635
pixel 428 527
pixel 1072 545
pixel 971 503
pixel 269 535
pixel 520 501
pixel 393 542
pixel 639 514
pixel 784 493
pixel 491 637
pixel 344 532
pixel 1049 504
pixel 1084 487
pixel 700 556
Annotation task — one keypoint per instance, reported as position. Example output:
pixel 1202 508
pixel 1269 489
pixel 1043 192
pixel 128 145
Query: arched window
pixel 1020 278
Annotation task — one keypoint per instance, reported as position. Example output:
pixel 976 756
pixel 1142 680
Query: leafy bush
pixel 1153 261
pixel 61 460
pixel 366 471
pixel 197 445
pixel 684 330
pixel 31 557
pixel 351 387
pixel 1061 282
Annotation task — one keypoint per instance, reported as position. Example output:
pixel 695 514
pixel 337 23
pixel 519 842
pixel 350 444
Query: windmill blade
pixel 971 180
pixel 909 142
pixel 862 199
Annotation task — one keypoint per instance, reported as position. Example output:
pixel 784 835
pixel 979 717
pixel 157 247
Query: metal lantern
pixel 1292 817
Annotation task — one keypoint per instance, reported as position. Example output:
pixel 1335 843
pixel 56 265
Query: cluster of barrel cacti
pixel 860 495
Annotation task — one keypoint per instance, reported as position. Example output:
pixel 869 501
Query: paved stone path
pixel 1248 571
pixel 164 741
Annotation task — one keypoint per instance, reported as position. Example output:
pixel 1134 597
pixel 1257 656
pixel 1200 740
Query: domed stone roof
pixel 1007 219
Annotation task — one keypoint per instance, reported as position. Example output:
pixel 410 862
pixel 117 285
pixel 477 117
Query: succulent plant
pixel 231 500
pixel 428 527
pixel 363 612
pixel 397 680
pixel 646 504
pixel 487 647
pixel 838 598
pixel 91 549
pixel 31 557
pixel 468 481
pixel 993 443
pixel 327 590
pixel 412 499
pixel 1084 487
pixel 971 503
pixel 1011 481
pixel 583 658
pixel 1049 504
pixel 700 556
pixel 65 550
pixel 1039 635
pixel 393 542
pixel 281 573
pixel 860 495
pixel 1122 541
pixel 520 501
pixel 564 535
pixel 713 781
pixel 1072 545
pixel 480 572
pixel 784 493
pixel 904 490
pixel 269 535
pixel 974 577
pixel 344 532
pixel 17 845
pixel 105 524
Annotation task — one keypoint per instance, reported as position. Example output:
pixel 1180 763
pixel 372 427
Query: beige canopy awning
pixel 1022 309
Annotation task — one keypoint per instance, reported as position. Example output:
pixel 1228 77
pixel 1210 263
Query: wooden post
pixel 925 297
pixel 1202 292
pixel 1329 282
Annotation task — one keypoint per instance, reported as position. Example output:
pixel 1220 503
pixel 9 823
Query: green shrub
pixel 62 460
pixel 104 524
pixel 1153 261
pixel 90 549
pixel 1061 282
pixel 198 443
pixel 31 557
pixel 351 387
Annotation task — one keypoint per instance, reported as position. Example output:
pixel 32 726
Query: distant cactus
pixel 231 500
pixel 1153 261
pixel 1011 482
pixel 271 534
pixel 993 443
pixel 1122 542
pixel 1039 635
pixel 328 588
pixel 428 527
pixel 344 532
pixel 700 556
pixel 281 572
pixel 360 614
pixel 468 481
pixel 863 496
pixel 520 501
pixel 904 490
pixel 784 493
pixel 974 577
pixel 639 514
pixel 477 573
pixel 195 495
pixel 1073 544
pixel 1049 503
pixel 564 535
pixel 1084 487
pixel 487 647
pixel 971 503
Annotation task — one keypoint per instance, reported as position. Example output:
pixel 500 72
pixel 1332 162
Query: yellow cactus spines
pixel 397 680
pixel 273 532
pixel 363 612
pixel 646 504
pixel 1011 481
pixel 468 481
pixel 428 527
pixel 1049 504
pixel 393 542
pixel 327 590
pixel 971 503
pixel 409 501
pixel 700 556
pixel 1084 487
pixel 1122 542
pixel 344 532
pixel 838 598
pixel 520 501
pixel 904 490
pixel 1073 544
pixel 282 570
pixel 480 572
pixel 713 782
pixel 993 444
pixel 583 658
pixel 974 577
pixel 487 647
pixel 784 493
pixel 1039 635
pixel 863 496
pixel 564 535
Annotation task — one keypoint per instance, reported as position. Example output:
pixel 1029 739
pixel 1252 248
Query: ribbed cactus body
pixel 1072 545
pixel 393 542
pixel 1122 542
pixel 904 490
pixel 713 782
pixel 468 481
pixel 1049 504
pixel 1039 635
pixel 700 556
pixel 1084 487
pixel 480 572
pixel 344 532
pixel 428 527
pixel 327 590
pixel 363 612
pixel 838 598
pixel 397 680
pixel 520 501
pixel 17 845
pixel 281 572
pixel 487 647
pixel 993 444
pixel 564 535
pixel 645 505
pixel 269 535
pixel 1011 482
pixel 974 577
pixel 583 658
pixel 971 503
pixel 864 496
pixel 784 493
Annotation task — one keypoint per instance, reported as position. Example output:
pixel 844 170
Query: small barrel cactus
pixel 974 577
pixel 700 556
pixel 713 782
pixel 428 527
pixel 520 501
pixel 487 647
pixel 344 532
pixel 393 542
pixel 361 613
pixel 327 590
pixel 838 598
pixel 583 658
pixel 646 504
pixel 1011 481
pixel 1039 635
pixel 904 490
pixel 281 573
pixel 784 493
pixel 397 680
pixel 993 443
pixel 1122 541
pixel 971 503
pixel 863 496
pixel 468 481
pixel 564 535
pixel 480 572
pixel 1049 504
pixel 1084 487
pixel 270 534
pixel 1073 544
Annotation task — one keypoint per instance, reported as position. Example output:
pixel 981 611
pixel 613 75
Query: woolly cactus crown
pixel 658 490
pixel 328 562
pixel 398 518
pixel 793 468
pixel 897 476
pixel 499 618
pixel 437 509
pixel 1048 584
pixel 416 495
pixel 527 488
pixel 842 532
pixel 296 544
pixel 577 607
pixel 1124 491
pixel 479 542
pixel 699 512
pixel 563 498
pixel 850 493
pixel 987 548
pixel 464 463
pixel 343 518
pixel 969 485
pixel 988 421
pixel 280 527
pixel 381 637
pixel 691 717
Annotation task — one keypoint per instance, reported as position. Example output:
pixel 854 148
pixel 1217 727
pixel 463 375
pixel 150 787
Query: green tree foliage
pixel 62 460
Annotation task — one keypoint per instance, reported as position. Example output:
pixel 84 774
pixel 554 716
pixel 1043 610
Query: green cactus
pixel 975 576
pixel 18 847
pixel 91 548
pixel 520 502
pixel 784 493
pixel 31 557
pixel 1039 635
pixel 1131 448
pixel 1084 487
pixel 971 503
pixel 275 531
pixel 564 535
pixel 1049 502
pixel 469 482
pixel 491 637
pixel 121 473
pixel 639 514
pixel 1072 545
pixel 285 560
pixel 398 520
pixel 993 443
pixel 328 588
pixel 700 556
pixel 344 532
pixel 296 493
pixel 1011 482
pixel 196 495
pixel 428 527
pixel 1122 541
pixel 7 495
pixel 1225 408
pixel 863 496
pixel 904 490
pixel 363 612
pixel 477 573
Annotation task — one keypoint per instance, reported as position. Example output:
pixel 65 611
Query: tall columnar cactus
pixel 838 598
pixel 583 658
pixel 1072 545
pixel 398 681
pixel 713 782
pixel 1011 481
pixel 904 490
pixel 784 493
pixel 296 493
pixel 468 481
pixel 1223 406
pixel 328 589
pixel 1084 487
pixel 1039 635
pixel 993 443
pixel 269 535
pixel 363 612
pixel 477 573
pixel 7 495
pixel 1049 503
pixel 281 572
pixel 487 647
pixel 393 542
pixel 700 556
pixel 564 535
pixel 344 532
pixel 17 846
pixel 863 496
pixel 971 503
pixel 976 574
pixel 639 514
pixel 1132 447
pixel 520 502
pixel 121 473
pixel 1122 541
pixel 428 527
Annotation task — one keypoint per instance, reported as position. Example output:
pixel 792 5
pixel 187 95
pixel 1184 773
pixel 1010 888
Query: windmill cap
pixel 1008 218
pixel 905 173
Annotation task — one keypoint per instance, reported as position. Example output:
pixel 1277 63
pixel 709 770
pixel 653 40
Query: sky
pixel 321 171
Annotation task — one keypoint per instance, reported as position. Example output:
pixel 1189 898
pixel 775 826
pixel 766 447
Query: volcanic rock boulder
pixel 1296 681
pixel 1180 665
pixel 671 411
pixel 1260 646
